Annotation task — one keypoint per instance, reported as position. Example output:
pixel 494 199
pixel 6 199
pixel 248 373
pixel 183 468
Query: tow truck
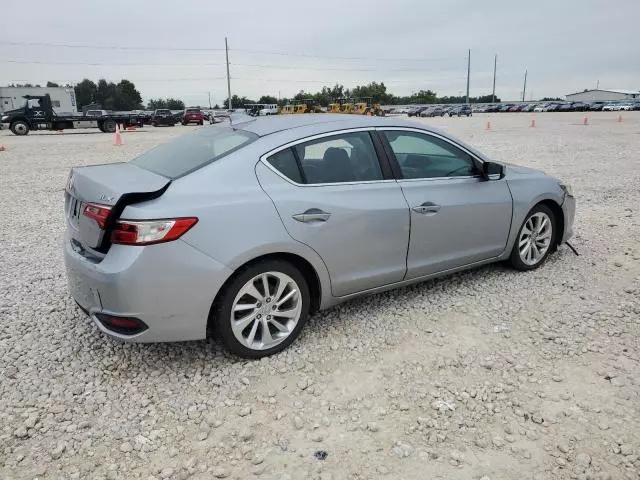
pixel 37 114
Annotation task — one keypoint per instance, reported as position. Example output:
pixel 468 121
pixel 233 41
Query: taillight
pixel 148 232
pixel 99 213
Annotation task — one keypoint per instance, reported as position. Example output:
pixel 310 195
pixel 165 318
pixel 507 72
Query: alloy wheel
pixel 266 310
pixel 535 238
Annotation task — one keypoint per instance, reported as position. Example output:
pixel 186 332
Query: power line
pixel 200 64
pixel 202 49
pixel 110 47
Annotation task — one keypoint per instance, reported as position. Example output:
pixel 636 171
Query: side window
pixel 348 157
pixel 425 156
pixel 285 162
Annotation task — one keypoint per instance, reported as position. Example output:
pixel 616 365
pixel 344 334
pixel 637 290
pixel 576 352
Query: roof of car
pixel 326 121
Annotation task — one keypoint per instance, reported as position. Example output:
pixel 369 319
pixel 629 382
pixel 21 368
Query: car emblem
pixel 106 198
pixel 70 182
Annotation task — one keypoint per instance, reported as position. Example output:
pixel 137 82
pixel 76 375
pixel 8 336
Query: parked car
pixel 611 107
pixel 163 116
pixel 433 112
pixel 415 112
pixel 636 105
pixel 541 107
pixel 460 110
pixel 219 229
pixel 506 107
pixel 565 107
pixel 596 106
pixel 193 115
pixel 552 107
pixel 492 108
pixel 579 107
pixel 625 107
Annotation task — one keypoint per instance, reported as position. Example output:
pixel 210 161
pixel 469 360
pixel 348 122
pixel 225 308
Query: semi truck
pixel 37 114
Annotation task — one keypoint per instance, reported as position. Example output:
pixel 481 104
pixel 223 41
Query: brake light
pixel 99 213
pixel 148 232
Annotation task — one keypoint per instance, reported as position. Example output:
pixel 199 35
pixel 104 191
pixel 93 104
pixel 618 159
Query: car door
pixel 457 217
pixel 332 195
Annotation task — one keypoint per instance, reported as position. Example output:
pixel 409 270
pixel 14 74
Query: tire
pixel 20 128
pixel 201 122
pixel 525 258
pixel 154 124
pixel 109 126
pixel 224 312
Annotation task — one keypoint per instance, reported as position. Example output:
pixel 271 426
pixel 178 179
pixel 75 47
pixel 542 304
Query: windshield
pixel 193 151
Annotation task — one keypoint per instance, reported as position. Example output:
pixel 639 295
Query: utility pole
pixel 468 74
pixel 524 89
pixel 598 85
pixel 209 100
pixel 495 64
pixel 226 49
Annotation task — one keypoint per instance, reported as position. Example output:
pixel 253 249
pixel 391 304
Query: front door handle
pixel 427 207
pixel 312 215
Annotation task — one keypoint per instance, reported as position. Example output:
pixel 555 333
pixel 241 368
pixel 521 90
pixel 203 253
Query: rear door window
pixel 192 151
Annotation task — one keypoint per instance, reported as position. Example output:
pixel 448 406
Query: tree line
pixel 375 91
pixel 125 96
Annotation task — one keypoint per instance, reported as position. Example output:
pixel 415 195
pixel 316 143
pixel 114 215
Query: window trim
pixel 370 130
pixel 396 165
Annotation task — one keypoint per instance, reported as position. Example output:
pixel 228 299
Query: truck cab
pixel 36 112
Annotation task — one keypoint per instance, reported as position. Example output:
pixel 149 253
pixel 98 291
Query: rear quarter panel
pixel 237 222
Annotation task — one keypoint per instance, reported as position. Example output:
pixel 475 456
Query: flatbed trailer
pixel 37 114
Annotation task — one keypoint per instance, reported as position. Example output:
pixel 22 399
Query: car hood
pixel 518 170
pixel 11 112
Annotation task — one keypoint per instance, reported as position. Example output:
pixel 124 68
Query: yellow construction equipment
pixel 287 109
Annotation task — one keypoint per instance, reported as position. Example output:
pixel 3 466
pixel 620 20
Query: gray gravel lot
pixel 489 374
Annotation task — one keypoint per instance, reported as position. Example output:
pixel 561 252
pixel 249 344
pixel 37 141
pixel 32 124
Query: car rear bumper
pixel 170 287
pixel 569 210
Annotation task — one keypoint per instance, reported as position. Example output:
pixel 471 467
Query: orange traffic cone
pixel 118 141
pixel 586 121
pixel 2 149
pixel 619 120
pixel 533 123
pixel 488 127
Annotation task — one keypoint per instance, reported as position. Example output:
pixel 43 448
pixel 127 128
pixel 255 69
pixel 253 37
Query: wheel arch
pixel 558 213
pixel 305 267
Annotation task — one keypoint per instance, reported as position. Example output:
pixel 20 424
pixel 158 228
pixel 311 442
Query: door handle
pixel 312 215
pixel 427 207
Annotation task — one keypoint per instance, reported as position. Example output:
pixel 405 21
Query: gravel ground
pixel 488 374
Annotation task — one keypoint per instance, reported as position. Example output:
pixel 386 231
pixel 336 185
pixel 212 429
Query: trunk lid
pixel 113 186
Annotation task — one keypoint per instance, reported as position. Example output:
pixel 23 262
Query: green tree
pixel 175 104
pixel 155 104
pixel 127 97
pixel 86 92
pixel 52 84
pixel 268 99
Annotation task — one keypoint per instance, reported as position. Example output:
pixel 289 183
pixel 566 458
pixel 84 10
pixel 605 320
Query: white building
pixel 62 98
pixel 603 95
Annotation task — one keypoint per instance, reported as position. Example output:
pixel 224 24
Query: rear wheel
pixel 20 127
pixel 535 239
pixel 263 309
pixel 109 126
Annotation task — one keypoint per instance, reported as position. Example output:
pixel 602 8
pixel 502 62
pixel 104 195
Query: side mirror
pixel 492 171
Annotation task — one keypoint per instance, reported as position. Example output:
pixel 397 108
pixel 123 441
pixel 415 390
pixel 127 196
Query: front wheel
pixel 20 128
pixel 109 126
pixel 535 239
pixel 262 310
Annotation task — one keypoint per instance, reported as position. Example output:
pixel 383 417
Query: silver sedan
pixel 245 230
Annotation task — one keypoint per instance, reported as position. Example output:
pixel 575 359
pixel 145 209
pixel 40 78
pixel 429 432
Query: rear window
pixel 163 111
pixel 193 110
pixel 192 151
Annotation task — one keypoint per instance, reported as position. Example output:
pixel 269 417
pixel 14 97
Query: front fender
pixel 528 191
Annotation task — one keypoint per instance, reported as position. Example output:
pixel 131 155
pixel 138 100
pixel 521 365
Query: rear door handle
pixel 427 207
pixel 312 215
